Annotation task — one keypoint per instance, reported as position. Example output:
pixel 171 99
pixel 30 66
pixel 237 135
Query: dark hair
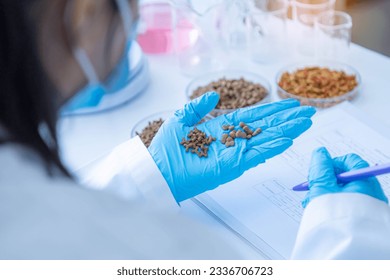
pixel 28 101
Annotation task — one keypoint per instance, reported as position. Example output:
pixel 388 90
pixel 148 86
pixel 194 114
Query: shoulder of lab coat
pixel 46 217
pixel 130 172
pixel 344 226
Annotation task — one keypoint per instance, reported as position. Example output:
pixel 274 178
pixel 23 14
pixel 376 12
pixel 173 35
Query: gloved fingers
pixel 369 186
pixel 290 129
pixel 306 200
pixel 260 153
pixel 254 113
pixel 349 162
pixel 322 178
pixel 198 108
pixel 321 171
pixel 283 116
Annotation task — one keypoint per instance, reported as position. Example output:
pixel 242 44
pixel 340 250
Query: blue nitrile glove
pixel 188 175
pixel 322 177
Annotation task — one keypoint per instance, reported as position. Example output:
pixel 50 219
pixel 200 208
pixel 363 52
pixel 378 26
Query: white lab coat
pixel 44 217
pixel 344 226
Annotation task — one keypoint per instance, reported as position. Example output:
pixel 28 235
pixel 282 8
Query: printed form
pixel 260 205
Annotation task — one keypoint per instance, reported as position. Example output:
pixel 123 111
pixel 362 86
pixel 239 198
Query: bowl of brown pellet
pixel 320 84
pixel 237 89
pixel 148 127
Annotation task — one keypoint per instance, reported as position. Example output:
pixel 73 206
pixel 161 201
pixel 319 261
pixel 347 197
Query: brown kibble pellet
pixel 231 128
pixel 224 137
pixel 240 134
pixel 225 127
pixel 246 133
pixel 247 130
pixel 257 131
pixel 230 144
pixel 198 142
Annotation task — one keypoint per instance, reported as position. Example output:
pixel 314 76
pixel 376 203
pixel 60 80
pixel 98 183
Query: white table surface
pixel 85 138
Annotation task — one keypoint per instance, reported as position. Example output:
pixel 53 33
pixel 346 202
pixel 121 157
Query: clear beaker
pixel 304 15
pixel 267 31
pixel 333 35
pixel 199 35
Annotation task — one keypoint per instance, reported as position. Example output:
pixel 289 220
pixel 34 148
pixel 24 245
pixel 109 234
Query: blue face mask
pixel 93 92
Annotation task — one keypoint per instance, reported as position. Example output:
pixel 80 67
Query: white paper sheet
pixel 260 206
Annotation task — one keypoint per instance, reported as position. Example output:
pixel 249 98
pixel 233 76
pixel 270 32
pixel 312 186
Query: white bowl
pixel 320 102
pixel 228 74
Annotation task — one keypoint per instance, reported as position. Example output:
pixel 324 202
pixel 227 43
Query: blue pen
pixel 354 175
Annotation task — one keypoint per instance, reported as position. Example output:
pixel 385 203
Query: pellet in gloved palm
pixel 188 175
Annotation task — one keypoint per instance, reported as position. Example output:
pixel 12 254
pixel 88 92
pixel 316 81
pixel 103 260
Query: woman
pixel 52 54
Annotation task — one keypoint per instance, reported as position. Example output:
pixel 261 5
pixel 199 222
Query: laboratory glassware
pixel 333 35
pixel 267 30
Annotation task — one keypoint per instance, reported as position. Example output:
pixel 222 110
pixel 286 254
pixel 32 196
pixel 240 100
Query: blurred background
pixel 371 23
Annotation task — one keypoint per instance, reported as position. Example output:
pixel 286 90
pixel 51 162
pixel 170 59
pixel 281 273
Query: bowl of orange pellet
pixel 319 84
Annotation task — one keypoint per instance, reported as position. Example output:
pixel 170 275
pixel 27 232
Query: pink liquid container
pixel 159 31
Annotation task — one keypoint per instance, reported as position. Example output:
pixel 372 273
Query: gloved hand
pixel 188 175
pixel 322 177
